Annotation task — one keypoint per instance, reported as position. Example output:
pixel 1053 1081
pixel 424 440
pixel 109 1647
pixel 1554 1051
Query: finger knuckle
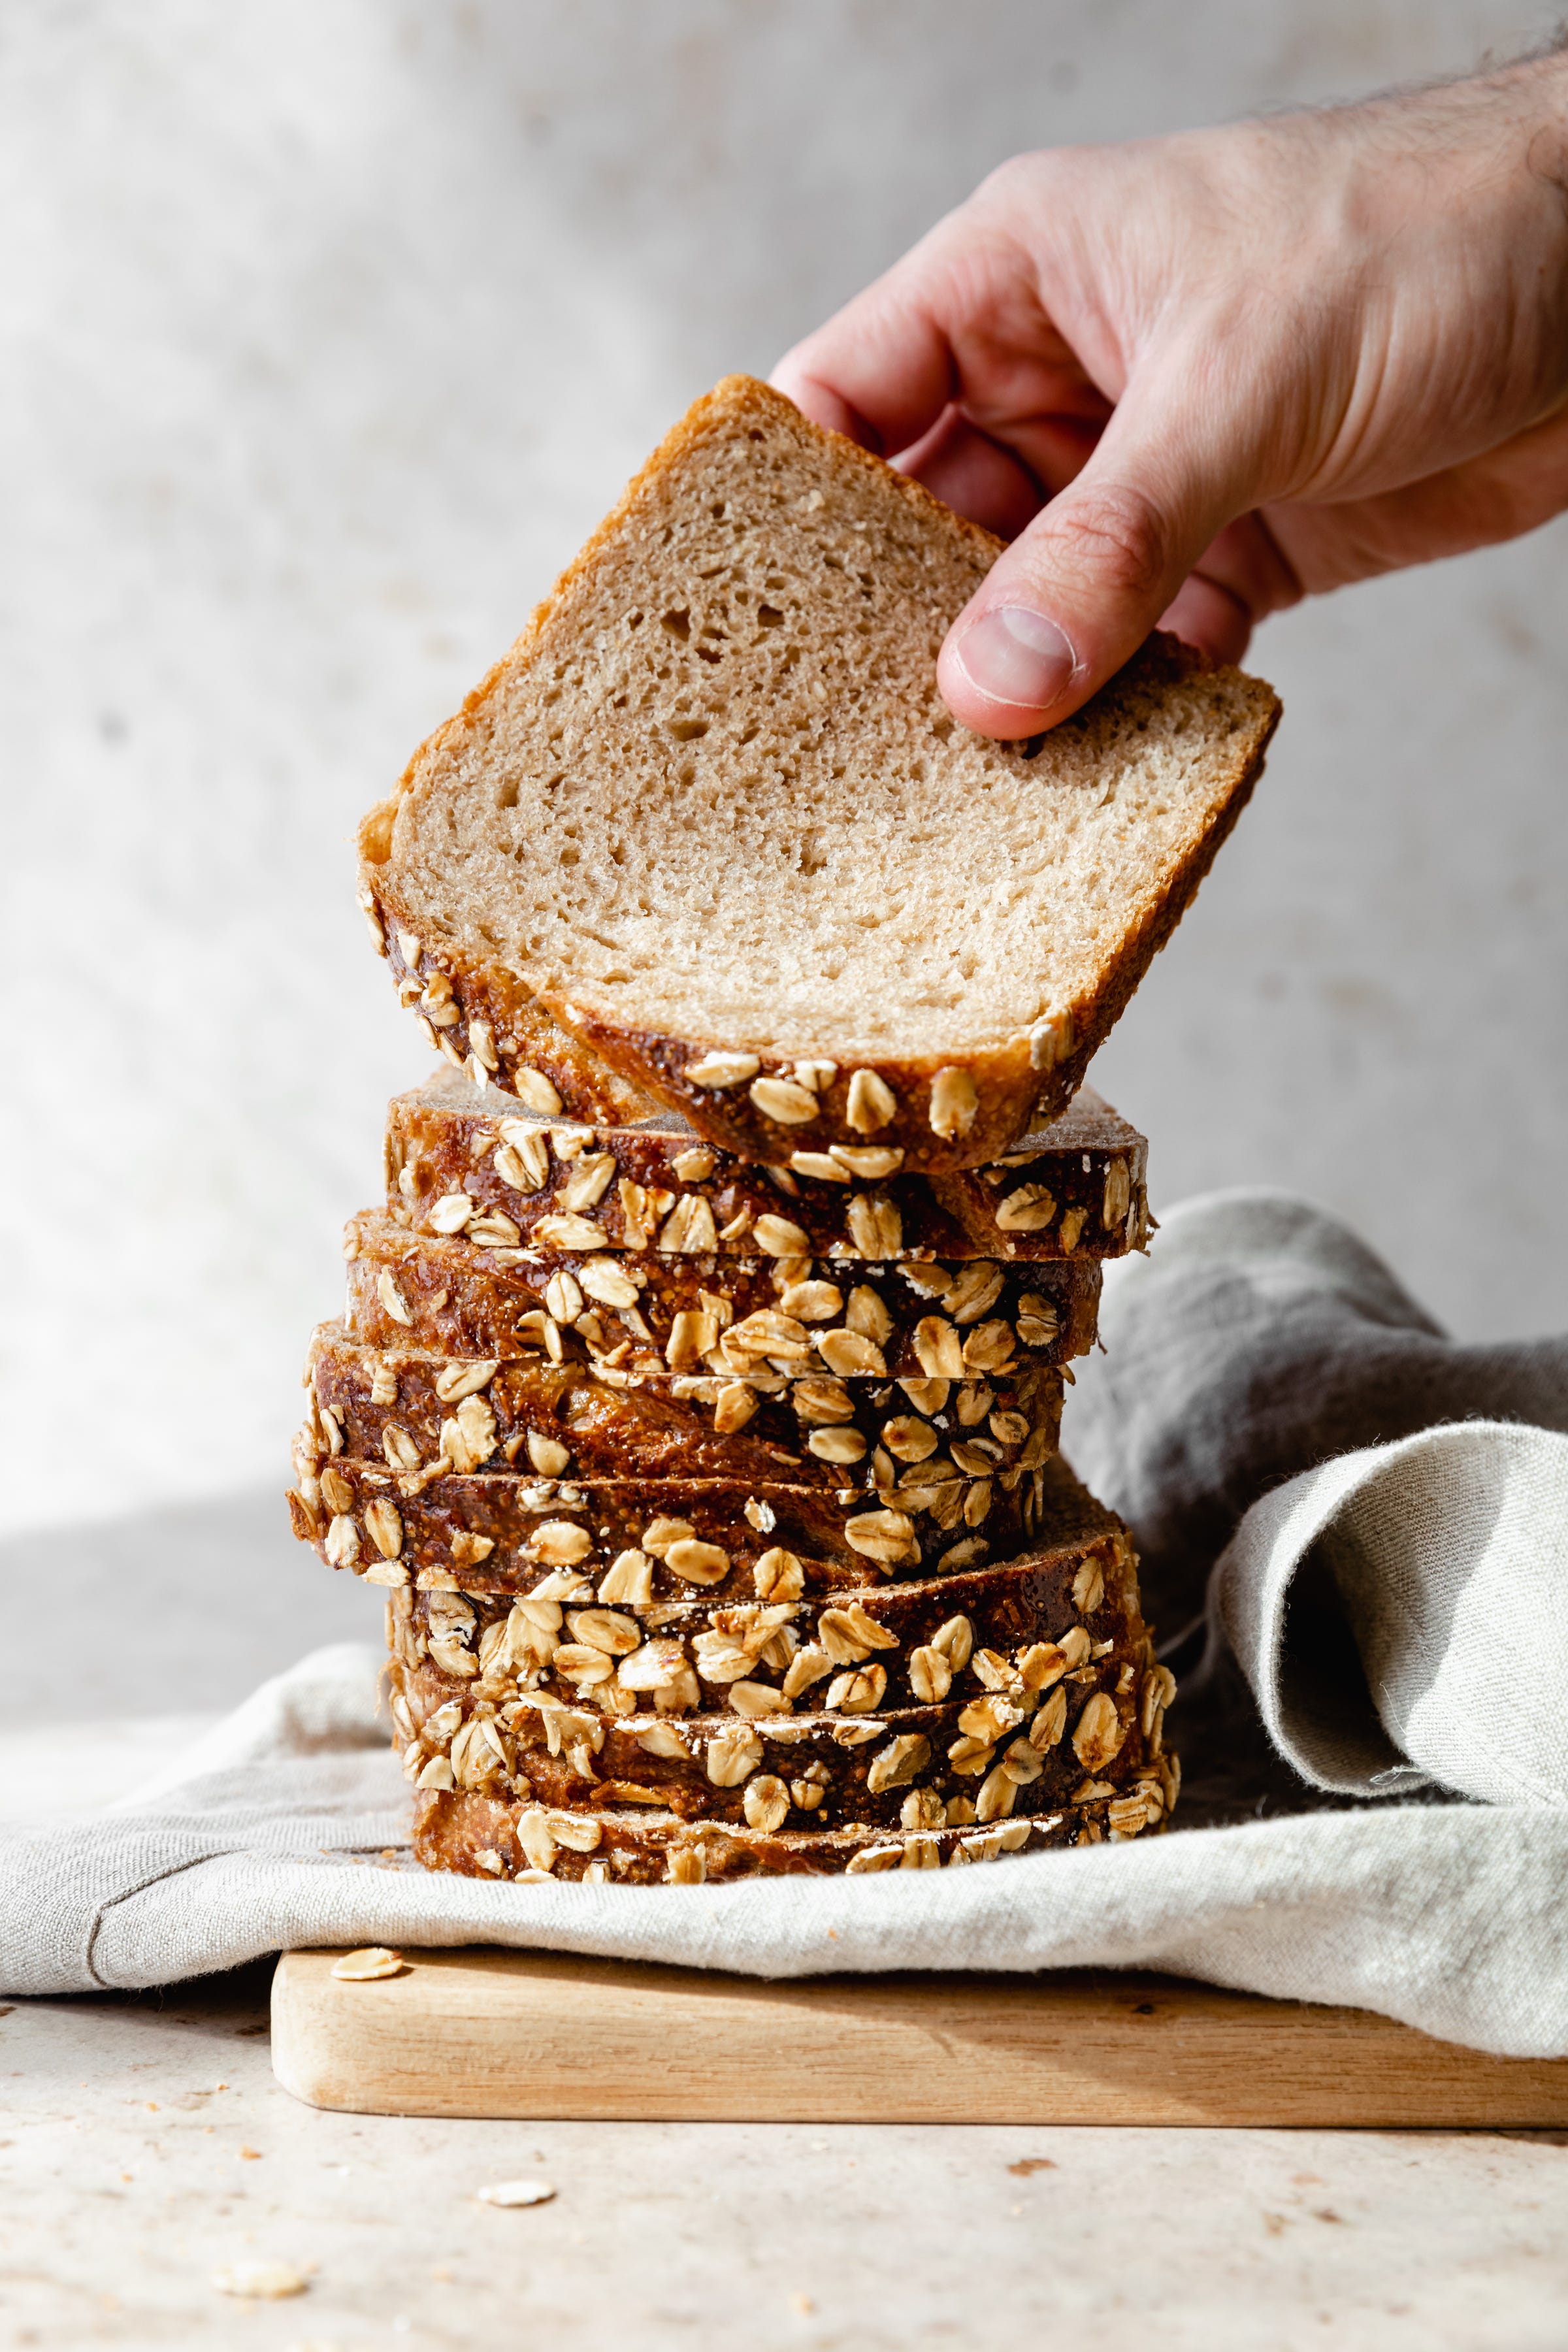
pixel 1014 193
pixel 1117 532
pixel 1013 177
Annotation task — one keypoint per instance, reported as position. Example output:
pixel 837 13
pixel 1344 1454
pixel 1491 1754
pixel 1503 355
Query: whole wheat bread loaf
pixel 711 815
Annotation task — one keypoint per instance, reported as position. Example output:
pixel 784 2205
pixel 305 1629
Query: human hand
pixel 1195 379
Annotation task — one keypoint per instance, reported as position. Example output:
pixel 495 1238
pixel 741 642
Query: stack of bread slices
pixel 697 1391
pixel 719 1506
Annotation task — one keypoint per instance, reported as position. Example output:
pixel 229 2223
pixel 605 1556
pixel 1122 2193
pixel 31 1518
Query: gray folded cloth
pixel 1376 1809
pixel 1257 1338
pixel 1400 1610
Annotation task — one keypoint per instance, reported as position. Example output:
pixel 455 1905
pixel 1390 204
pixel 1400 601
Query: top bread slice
pixel 712 817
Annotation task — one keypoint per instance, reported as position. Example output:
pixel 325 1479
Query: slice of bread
pixel 765 1320
pixel 794 1649
pixel 513 1523
pixel 414 1411
pixel 483 1837
pixel 712 814
pixel 1072 1190
pixel 910 1765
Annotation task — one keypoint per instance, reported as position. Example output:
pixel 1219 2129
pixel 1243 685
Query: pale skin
pixel 1193 380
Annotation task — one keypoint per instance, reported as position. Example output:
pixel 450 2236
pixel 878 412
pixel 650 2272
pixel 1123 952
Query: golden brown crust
pixel 1012 1094
pixel 490 1028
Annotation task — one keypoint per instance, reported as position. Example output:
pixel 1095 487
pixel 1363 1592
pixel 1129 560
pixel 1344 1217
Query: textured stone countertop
pixel 147 2147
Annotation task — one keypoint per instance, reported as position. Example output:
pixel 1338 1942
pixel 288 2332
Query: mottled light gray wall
pixel 332 326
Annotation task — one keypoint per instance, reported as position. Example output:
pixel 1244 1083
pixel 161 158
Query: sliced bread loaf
pixel 711 815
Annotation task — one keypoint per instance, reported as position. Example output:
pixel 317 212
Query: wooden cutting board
pixel 542 2036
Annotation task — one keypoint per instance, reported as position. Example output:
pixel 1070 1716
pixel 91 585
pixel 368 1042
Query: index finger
pixel 881 370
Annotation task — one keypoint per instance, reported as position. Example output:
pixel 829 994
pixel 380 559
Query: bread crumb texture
pixel 713 792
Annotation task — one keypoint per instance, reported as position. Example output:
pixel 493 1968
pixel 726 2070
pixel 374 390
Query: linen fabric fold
pixel 1402 1615
pixel 285 1831
pixel 1261 1338
pixel 1388 1507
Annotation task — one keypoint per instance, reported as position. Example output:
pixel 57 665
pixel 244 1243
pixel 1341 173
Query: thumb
pixel 1076 593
